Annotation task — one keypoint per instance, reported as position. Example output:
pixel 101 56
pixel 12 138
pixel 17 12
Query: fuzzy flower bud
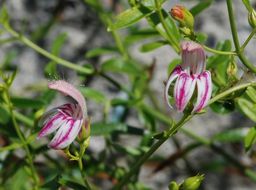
pixel 252 18
pixel 183 16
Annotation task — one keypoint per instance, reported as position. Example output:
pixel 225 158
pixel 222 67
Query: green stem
pixel 107 21
pixel 231 90
pixel 152 149
pixel 218 51
pixel 170 37
pixel 23 119
pixel 23 140
pixel 45 53
pixel 236 39
pixel 248 39
pixel 80 164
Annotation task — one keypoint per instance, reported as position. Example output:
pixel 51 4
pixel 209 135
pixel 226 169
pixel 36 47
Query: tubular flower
pixel 67 120
pixel 190 75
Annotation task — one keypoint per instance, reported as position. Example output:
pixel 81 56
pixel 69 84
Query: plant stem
pixel 45 53
pixel 236 39
pixel 218 51
pixel 170 37
pixel 231 90
pixel 23 141
pixel 152 149
pixel 80 164
pixel 248 39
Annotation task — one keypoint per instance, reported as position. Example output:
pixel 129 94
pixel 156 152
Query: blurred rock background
pixel 85 31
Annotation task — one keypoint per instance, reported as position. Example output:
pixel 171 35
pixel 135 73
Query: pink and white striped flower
pixel 190 75
pixel 67 120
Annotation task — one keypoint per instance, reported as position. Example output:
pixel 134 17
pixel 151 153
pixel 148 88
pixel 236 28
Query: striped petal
pixel 183 90
pixel 204 90
pixel 172 77
pixel 51 125
pixel 66 134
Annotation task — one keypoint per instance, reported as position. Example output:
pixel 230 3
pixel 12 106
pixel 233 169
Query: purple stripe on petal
pixel 51 125
pixel 204 90
pixel 172 77
pixel 183 90
pixel 66 134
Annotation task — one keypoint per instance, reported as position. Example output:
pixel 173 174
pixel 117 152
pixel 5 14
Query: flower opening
pixel 67 120
pixel 190 75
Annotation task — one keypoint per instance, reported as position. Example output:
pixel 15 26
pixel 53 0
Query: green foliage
pixel 130 118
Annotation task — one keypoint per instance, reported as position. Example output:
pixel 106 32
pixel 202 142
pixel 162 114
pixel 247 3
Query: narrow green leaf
pixel 247 107
pixel 250 138
pixel 93 94
pixel 100 51
pixel 27 102
pixel 251 93
pixel 172 65
pixel 223 107
pixel 127 18
pixel 120 65
pixel 248 5
pixel 4 115
pixel 152 46
pixel 107 128
pixel 232 135
pixel 202 5
pixel 135 36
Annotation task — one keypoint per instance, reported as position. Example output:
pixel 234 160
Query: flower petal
pixel 172 77
pixel 204 90
pixel 193 57
pixel 183 90
pixel 66 134
pixel 69 90
pixel 51 125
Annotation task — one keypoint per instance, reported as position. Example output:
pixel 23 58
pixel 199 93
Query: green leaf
pixel 155 22
pixel 4 16
pixel 104 129
pixel 100 51
pixel 152 46
pixel 56 48
pixel 151 3
pixel 137 35
pixel 93 94
pixel 98 129
pixel 248 5
pixel 202 5
pixel 251 93
pixel 127 18
pixel 250 138
pixel 223 107
pixel 4 115
pixel 219 64
pixel 120 65
pixel 72 183
pixel 247 107
pixel 232 135
pixel 172 65
pixel 27 102
pixel 127 150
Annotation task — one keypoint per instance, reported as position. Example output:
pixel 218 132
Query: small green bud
pixel 232 69
pixel 192 183
pixel 252 18
pixel 173 186
pixel 183 16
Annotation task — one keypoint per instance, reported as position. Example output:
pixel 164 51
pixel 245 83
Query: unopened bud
pixel 183 16
pixel 232 69
pixel 252 18
pixel 192 183
pixel 173 186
